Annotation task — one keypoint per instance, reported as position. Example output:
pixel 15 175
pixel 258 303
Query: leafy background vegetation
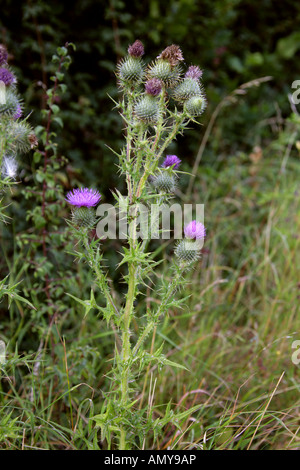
pixel 235 336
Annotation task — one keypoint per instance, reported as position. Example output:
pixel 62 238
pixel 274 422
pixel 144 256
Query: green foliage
pixel 232 324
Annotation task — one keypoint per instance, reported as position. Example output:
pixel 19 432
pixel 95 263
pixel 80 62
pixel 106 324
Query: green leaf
pixel 288 46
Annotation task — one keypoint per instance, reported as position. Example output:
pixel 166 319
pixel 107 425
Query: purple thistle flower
pixel 136 49
pixel 3 55
pixel 194 72
pixel 171 160
pixel 6 76
pixel 18 112
pixel 194 230
pixel 83 197
pixel 153 87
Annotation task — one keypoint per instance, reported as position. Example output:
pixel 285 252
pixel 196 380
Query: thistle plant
pixel 16 138
pixel 157 103
pixel 16 134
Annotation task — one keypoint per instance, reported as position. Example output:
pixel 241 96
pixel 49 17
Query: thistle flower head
pixel 172 54
pixel 195 105
pixel 165 182
pixel 194 72
pixel 163 71
pixel 130 70
pixel 186 89
pixel 3 55
pixel 19 132
pixel 83 197
pixel 171 161
pixel 194 230
pixel 6 76
pixel 147 110
pixel 11 103
pixel 153 86
pixel 188 250
pixel 18 112
pixel 136 49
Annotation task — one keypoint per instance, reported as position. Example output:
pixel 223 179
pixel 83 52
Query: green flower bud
pixel 186 89
pixel 195 105
pixel 19 136
pixel 131 71
pixel 147 109
pixel 84 216
pixel 163 70
pixel 165 182
pixel 188 251
pixel 11 105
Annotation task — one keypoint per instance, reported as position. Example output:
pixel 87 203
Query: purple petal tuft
pixel 83 197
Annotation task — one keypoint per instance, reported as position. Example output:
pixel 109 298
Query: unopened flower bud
pixel 163 71
pixel 195 105
pixel 130 70
pixel 11 104
pixel 84 216
pixel 186 89
pixel 165 182
pixel 147 109
pixel 187 251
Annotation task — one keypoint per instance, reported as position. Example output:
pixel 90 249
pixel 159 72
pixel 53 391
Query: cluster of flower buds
pixel 165 72
pixel 16 134
pixel 189 92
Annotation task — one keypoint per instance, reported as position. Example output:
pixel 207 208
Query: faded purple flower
pixel 83 197
pixel 136 49
pixel 194 230
pixel 194 72
pixel 153 87
pixel 171 160
pixel 18 112
pixel 172 54
pixel 3 55
pixel 6 76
